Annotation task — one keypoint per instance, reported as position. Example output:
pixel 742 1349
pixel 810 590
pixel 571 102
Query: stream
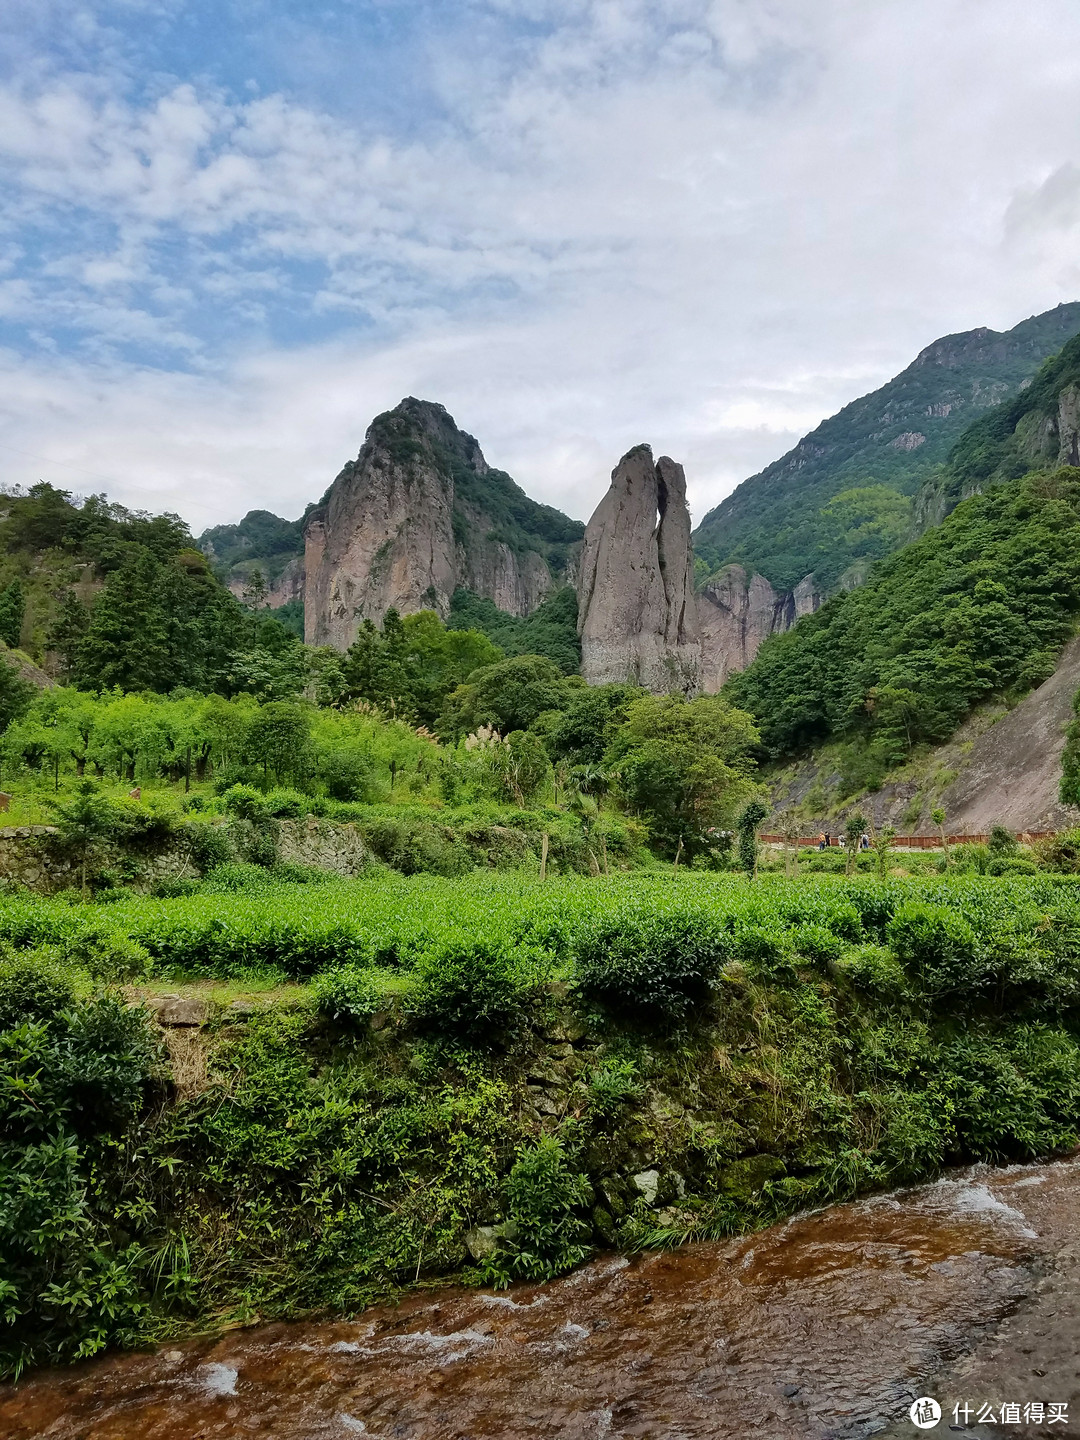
pixel 830 1325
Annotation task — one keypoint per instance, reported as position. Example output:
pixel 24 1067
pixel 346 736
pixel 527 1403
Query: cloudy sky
pixel 232 231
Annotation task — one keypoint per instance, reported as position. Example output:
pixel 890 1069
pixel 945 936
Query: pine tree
pixel 68 631
pixel 12 610
pixel 127 641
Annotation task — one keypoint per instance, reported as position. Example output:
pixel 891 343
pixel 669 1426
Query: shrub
pixel 72 1074
pixel 1060 852
pixel 246 802
pixel 349 996
pixel 237 878
pixel 416 847
pixel 208 845
pixel 468 990
pixel 937 945
pixel 1012 865
pixel 543 1193
pixel 33 988
pixel 657 966
pixel 765 954
pixel 348 776
pixel 611 1084
pixel 872 968
pixel 172 888
pixel 106 953
pixel 283 805
pixel 817 944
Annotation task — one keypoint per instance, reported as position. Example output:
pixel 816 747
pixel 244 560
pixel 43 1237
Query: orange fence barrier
pixel 914 842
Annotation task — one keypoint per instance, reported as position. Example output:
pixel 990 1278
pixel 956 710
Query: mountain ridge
pixel 888 441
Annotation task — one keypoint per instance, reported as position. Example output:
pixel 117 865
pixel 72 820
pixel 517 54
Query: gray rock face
pixel 736 612
pixel 1069 426
pixel 409 521
pixel 637 613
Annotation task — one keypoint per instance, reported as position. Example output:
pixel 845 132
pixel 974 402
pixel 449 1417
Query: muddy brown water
pixel 826 1326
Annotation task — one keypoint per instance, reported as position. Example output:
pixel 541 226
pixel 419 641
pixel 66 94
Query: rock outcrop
pixel 418 514
pixel 637 612
pixel 737 611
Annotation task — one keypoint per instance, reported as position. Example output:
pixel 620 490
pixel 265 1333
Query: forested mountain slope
pixel 980 606
pixel 1040 427
pixel 102 596
pixel 841 497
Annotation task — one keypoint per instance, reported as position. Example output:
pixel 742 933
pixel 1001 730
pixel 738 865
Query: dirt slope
pixel 1012 772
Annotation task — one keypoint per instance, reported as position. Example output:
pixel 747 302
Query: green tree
pixel 747 825
pixel 86 821
pixel 854 829
pixel 279 738
pixel 685 765
pixel 1070 759
pixel 509 695
pixel 520 765
pixel 15 694
pixel 68 631
pixel 12 611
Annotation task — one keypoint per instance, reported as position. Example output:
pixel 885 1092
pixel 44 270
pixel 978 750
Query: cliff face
pixel 736 612
pixel 1039 429
pixel 418 514
pixel 637 613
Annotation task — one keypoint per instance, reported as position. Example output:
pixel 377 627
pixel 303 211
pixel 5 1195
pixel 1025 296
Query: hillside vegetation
pixel 869 459
pixel 979 606
pixel 1015 437
pixel 489 1080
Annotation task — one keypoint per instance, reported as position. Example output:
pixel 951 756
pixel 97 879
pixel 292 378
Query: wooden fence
pixel 912 842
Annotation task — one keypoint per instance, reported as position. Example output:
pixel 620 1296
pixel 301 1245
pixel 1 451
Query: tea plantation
pixel 488 1078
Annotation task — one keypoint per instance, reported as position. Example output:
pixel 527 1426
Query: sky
pixel 233 231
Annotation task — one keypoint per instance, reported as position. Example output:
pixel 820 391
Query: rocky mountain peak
pixel 418 514
pixel 637 613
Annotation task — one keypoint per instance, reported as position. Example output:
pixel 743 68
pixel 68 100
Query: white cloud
pixel 705 223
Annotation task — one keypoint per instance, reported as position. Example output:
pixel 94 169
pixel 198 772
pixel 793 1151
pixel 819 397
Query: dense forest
pixel 981 605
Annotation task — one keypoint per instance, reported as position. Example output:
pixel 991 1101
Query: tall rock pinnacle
pixel 636 607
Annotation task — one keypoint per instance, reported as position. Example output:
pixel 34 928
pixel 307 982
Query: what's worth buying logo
pixel 925 1413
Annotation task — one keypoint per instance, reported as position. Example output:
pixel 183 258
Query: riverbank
pixel 824 1327
pixel 487 1082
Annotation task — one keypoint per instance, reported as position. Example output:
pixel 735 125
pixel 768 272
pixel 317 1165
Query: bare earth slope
pixel 1012 773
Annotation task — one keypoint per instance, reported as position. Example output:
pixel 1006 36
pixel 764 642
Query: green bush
pixel 73 1076
pixel 817 944
pixel 543 1195
pixel 238 878
pixel 208 845
pixel 33 988
pixel 106 954
pixel 348 776
pixel 658 966
pixel 246 802
pixel 348 996
pixel 874 969
pixel 469 990
pixel 172 888
pixel 937 946
pixel 282 804
pixel 765 953
pixel 611 1084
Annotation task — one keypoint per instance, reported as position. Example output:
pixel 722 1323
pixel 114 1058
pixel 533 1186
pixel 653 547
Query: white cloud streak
pixel 705 223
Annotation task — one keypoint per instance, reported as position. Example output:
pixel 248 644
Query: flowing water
pixel 826 1326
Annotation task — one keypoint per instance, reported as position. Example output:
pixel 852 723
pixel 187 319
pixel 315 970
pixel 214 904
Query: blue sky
pixel 232 232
